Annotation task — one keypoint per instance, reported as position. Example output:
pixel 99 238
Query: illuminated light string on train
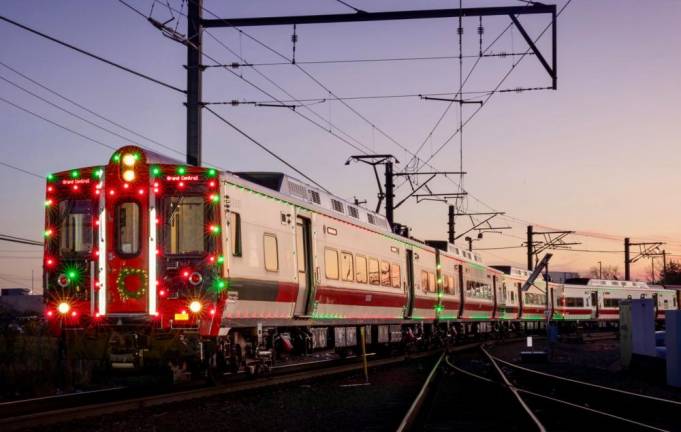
pixel 213 254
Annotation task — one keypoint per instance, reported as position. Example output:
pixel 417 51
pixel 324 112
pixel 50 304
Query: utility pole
pixel 450 223
pixel 627 259
pixel 600 270
pixel 470 243
pixel 389 192
pixel 664 262
pixel 530 246
pixel 646 250
pixel 194 80
pixel 552 240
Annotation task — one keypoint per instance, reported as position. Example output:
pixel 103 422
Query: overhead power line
pixel 94 56
pixel 26 110
pixel 370 60
pixel 21 170
pixel 20 240
pixel 262 146
pixel 89 110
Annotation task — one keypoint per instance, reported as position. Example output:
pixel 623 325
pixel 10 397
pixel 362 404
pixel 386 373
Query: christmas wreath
pixel 131 283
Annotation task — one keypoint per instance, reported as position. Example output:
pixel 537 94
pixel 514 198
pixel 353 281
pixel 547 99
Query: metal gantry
pixel 196 25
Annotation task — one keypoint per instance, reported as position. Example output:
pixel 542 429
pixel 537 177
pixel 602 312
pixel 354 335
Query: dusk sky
pixel 600 155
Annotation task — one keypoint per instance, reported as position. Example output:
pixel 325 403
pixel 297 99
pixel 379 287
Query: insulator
pixel 502 54
pixel 234 102
pixel 294 38
pixel 460 30
pixel 234 65
pixel 481 30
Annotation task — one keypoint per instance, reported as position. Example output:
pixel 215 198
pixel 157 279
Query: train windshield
pixel 184 225
pixel 76 227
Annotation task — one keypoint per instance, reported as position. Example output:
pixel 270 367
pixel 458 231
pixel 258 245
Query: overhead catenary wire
pixel 22 170
pixel 91 55
pixel 270 152
pixel 369 60
pixel 26 110
pixel 20 240
pixel 89 110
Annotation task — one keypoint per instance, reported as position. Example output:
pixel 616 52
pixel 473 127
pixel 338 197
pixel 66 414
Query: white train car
pixel 574 302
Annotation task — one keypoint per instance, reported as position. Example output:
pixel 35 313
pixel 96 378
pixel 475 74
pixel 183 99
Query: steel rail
pixel 92 410
pixel 588 384
pixel 591 410
pixel 410 418
pixel 514 390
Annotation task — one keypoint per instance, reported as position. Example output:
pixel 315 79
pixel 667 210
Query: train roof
pixel 315 196
pixel 606 283
pixel 452 249
pixel 513 271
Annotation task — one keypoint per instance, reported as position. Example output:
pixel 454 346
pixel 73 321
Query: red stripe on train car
pixel 354 297
pixel 573 311
pixel 288 293
pixel 478 307
pixel 451 304
pixel 425 303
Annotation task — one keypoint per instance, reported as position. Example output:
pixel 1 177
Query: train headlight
pixel 63 308
pixel 195 306
pixel 128 162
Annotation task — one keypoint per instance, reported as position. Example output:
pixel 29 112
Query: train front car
pixel 133 248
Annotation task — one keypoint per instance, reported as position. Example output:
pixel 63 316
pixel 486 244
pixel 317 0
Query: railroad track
pixel 58 409
pixel 450 400
pixel 551 402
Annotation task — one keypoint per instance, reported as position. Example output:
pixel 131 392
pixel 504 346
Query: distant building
pixel 14 291
pixel 560 277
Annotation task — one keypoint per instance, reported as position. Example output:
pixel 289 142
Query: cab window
pixel 184 226
pixel 76 227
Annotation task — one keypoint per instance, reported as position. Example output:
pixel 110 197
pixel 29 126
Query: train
pixel 244 268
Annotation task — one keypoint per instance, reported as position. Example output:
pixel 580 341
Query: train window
pixel 451 283
pixel 331 263
pixel 424 281
pixel 445 284
pixel 674 301
pixel 431 282
pixel 184 225
pixel 235 233
pixel 611 302
pixel 374 278
pixel 271 251
pixel 128 228
pixel 574 302
pixel 360 269
pixel 347 267
pixel 395 275
pixel 385 273
pixel 512 296
pixel 76 226
pixel 666 304
pixel 643 296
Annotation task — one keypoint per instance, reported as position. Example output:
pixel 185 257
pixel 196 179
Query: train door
pixel 126 253
pixel 304 256
pixel 462 290
pixel 594 303
pixel 495 298
pixel 409 288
